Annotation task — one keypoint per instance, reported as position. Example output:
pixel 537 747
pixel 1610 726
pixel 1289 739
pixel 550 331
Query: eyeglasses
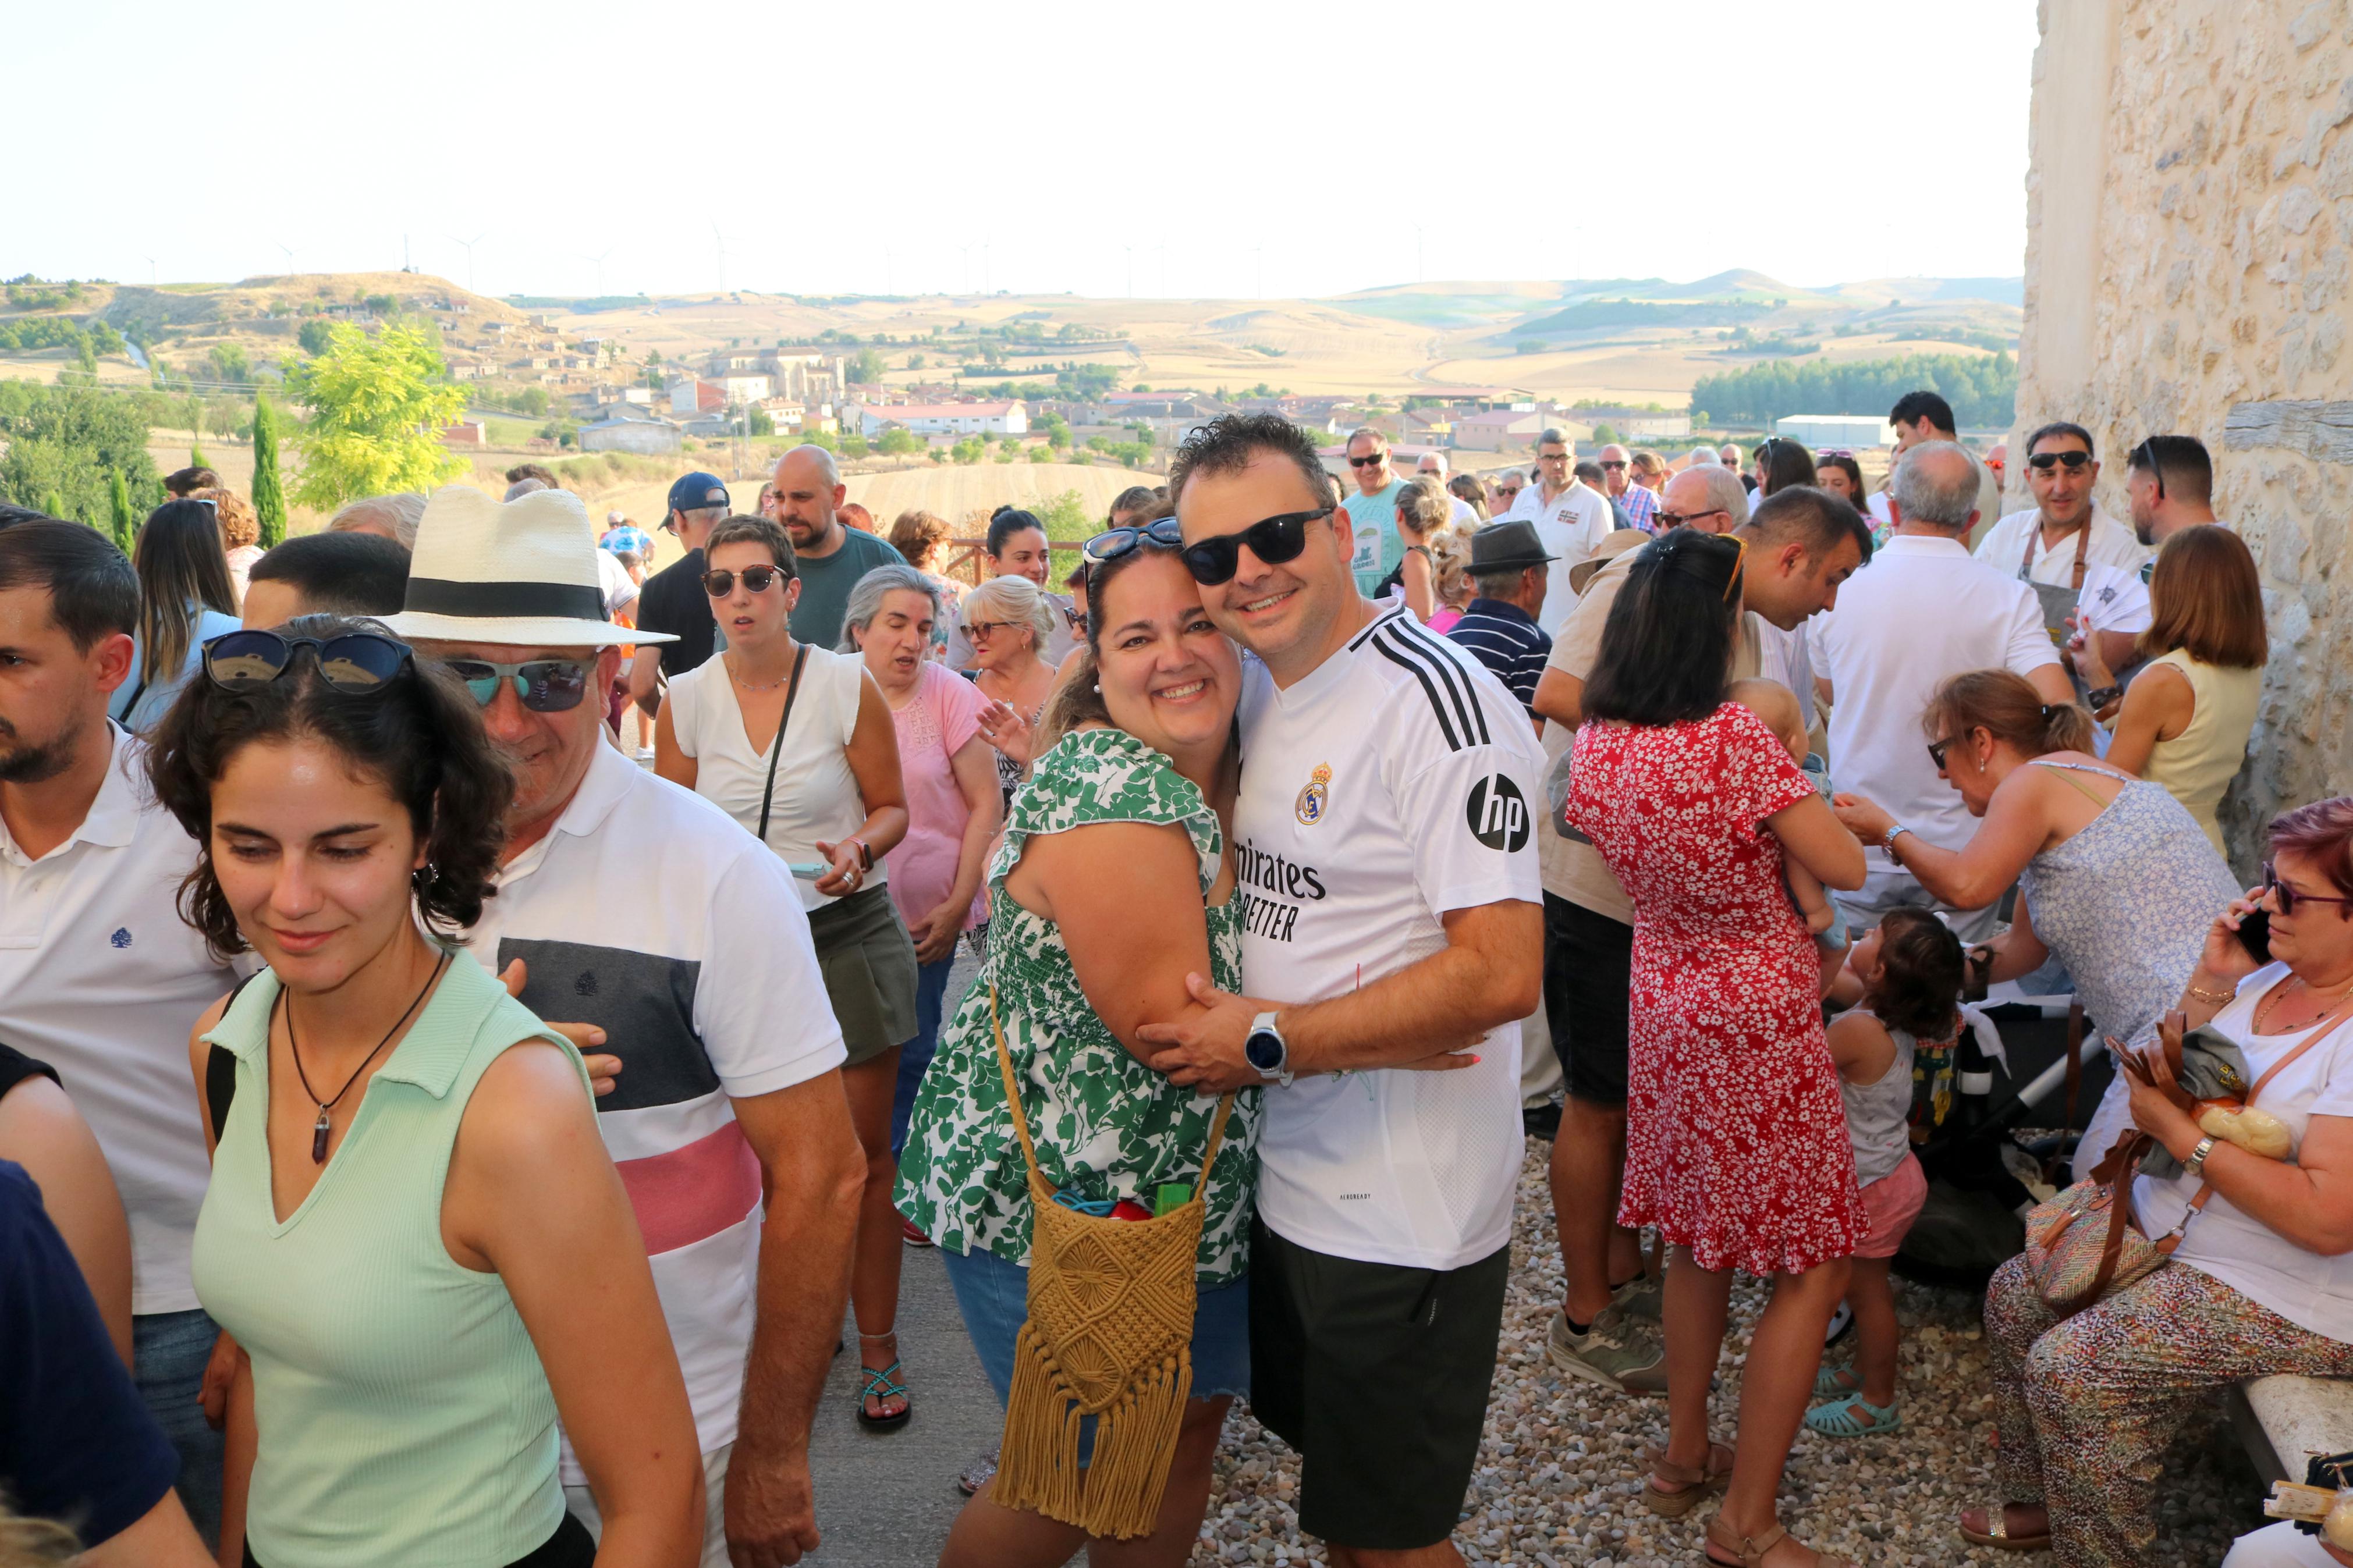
pixel 2043 462
pixel 1552 456
pixel 756 580
pixel 542 685
pixel 1936 750
pixel 1372 461
pixel 358 663
pixel 1113 542
pixel 2287 897
pixel 2148 571
pixel 1613 462
pixel 1273 540
pixel 1673 520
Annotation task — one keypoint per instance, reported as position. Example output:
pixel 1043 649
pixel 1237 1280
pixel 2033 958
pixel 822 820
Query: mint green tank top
pixel 403 1414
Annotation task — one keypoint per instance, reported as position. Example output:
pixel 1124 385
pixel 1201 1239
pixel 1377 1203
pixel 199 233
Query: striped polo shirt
pixel 1506 639
pixel 648 913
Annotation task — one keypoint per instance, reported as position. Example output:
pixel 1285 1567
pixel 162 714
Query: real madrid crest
pixel 1315 796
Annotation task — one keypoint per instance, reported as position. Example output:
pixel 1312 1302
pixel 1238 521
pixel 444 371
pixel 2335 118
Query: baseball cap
pixel 698 490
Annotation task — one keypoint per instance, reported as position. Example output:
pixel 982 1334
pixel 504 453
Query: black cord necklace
pixel 319 1129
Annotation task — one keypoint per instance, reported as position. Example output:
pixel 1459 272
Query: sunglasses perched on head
pixel 756 580
pixel 2043 462
pixel 1273 540
pixel 1113 542
pixel 356 662
pixel 542 685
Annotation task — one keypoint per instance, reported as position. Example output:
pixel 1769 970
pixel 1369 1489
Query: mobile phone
pixel 809 872
pixel 2255 934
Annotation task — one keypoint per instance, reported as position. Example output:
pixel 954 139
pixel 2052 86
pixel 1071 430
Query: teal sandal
pixel 881 1385
pixel 1836 1383
pixel 1837 1419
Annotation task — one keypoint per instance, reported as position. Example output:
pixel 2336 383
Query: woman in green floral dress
pixel 1114 882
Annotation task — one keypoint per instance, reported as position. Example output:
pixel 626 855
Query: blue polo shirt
pixel 1507 640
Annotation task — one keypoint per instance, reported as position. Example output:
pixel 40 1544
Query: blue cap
pixel 697 491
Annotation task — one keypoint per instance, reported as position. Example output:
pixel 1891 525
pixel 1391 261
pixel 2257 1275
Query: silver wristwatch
pixel 2195 1165
pixel 1887 839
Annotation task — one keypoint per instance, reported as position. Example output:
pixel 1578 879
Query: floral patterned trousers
pixel 2085 1407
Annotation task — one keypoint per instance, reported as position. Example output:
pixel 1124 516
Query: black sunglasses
pixel 1936 750
pixel 756 579
pixel 1113 542
pixel 1613 462
pixel 542 685
pixel 2287 897
pixel 1273 540
pixel 2043 462
pixel 356 662
pixel 1375 459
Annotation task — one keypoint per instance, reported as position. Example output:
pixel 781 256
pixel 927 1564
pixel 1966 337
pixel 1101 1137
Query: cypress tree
pixel 126 521
pixel 268 492
pixel 54 504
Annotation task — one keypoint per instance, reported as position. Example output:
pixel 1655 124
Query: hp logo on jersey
pixel 1498 815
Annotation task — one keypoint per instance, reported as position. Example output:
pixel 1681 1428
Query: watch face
pixel 1263 1050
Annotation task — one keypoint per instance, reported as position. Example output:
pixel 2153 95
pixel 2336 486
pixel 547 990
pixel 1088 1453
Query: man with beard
pixel 99 978
pixel 831 557
pixel 644 915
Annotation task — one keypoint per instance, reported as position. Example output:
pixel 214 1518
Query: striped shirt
pixel 648 913
pixel 1507 640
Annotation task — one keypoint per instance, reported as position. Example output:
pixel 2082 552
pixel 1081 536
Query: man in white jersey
pixel 1385 842
pixel 1571 518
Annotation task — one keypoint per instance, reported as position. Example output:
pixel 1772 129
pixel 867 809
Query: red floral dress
pixel 1735 1136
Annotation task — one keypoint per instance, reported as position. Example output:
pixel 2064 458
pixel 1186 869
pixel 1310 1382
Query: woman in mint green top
pixel 412 1232
pixel 1114 882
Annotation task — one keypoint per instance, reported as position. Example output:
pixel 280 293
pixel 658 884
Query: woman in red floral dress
pixel 1735 1136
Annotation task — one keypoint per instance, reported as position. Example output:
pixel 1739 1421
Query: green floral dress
pixel 1106 1126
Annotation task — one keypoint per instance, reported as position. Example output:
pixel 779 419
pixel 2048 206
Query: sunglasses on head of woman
pixel 542 685
pixel 358 663
pixel 1273 540
pixel 1113 542
pixel 756 580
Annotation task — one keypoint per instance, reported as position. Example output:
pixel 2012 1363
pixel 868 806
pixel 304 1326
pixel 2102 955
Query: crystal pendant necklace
pixel 320 1128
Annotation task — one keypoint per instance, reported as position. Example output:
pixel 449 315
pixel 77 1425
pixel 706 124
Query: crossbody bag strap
pixel 2172 1239
pixel 776 749
pixel 1013 1090
pixel 1217 1138
pixel 2082 543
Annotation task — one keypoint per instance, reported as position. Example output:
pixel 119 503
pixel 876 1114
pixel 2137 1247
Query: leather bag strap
pixel 776 748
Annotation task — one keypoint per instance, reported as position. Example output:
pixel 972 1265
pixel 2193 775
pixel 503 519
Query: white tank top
pixel 817 794
pixel 1879 1114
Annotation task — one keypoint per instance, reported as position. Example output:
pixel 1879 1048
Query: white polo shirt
pixel 1571 526
pixel 1396 782
pixel 647 911
pixel 1920 613
pixel 2110 543
pixel 102 979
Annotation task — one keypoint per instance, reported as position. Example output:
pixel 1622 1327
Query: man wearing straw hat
pixel 672 938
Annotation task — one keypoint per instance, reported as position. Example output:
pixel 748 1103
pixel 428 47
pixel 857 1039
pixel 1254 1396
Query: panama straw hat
pixel 521 572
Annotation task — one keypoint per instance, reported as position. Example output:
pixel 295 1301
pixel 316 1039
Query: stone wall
pixel 2189 232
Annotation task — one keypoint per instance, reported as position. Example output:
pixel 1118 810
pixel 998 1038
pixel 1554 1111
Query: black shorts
pixel 1379 1375
pixel 1588 978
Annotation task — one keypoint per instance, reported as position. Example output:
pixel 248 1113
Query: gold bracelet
pixel 2213 998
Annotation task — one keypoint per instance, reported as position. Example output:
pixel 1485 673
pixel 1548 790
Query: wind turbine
pixel 597 261
pixel 470 244
pixel 720 240
pixel 151 268
pixel 291 252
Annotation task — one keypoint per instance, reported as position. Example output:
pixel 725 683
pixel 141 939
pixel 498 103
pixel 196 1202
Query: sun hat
pixel 627 541
pixel 521 572
pixel 1613 544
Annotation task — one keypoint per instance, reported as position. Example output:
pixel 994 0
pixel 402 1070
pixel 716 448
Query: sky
pixel 1268 148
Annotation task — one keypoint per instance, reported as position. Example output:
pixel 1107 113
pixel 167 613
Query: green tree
pixel 1042 454
pixel 915 361
pixel 120 514
pixel 865 368
pixel 1605 434
pixel 54 504
pixel 197 458
pixel 899 441
pixel 853 446
pixel 1008 453
pixel 85 353
pixel 967 450
pixel 313 335
pixel 230 363
pixel 1066 517
pixel 377 407
pixel 760 423
pixel 268 487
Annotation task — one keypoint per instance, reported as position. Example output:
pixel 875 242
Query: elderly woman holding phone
pixel 2261 1282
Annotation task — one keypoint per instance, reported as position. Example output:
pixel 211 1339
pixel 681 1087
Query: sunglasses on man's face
pixel 2043 462
pixel 1373 461
pixel 1613 462
pixel 358 663
pixel 1273 540
pixel 542 685
pixel 2287 897
pixel 756 580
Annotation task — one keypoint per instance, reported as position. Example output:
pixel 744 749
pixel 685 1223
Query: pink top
pixel 933 725
pixel 1445 619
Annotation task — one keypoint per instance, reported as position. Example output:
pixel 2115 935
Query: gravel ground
pixel 1560 1468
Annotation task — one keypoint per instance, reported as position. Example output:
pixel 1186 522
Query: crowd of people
pixel 475 1013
